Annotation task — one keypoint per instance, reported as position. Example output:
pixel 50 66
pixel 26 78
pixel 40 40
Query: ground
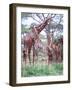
pixel 42 70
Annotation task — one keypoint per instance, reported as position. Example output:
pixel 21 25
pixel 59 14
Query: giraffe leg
pixel 29 51
pixel 24 56
pixel 33 54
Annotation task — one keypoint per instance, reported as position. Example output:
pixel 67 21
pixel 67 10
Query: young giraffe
pixel 53 49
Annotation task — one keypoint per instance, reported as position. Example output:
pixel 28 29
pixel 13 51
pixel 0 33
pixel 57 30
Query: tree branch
pixel 39 17
pixel 53 15
pixel 47 15
pixel 35 19
pixel 43 16
pixel 60 19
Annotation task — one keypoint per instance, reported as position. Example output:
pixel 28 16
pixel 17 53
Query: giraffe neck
pixel 40 27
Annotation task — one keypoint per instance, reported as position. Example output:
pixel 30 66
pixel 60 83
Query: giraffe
pixel 53 49
pixel 31 37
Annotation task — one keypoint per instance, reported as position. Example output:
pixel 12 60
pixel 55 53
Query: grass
pixel 42 70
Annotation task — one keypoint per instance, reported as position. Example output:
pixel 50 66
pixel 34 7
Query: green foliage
pixel 24 29
pixel 42 70
pixel 25 15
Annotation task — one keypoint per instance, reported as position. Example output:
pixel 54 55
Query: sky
pixel 28 21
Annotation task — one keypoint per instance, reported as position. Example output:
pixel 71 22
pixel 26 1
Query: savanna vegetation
pixel 42 70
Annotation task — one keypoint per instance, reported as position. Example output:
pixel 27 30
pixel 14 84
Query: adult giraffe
pixel 31 37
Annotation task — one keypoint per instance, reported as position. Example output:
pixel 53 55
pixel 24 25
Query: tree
pixel 55 25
